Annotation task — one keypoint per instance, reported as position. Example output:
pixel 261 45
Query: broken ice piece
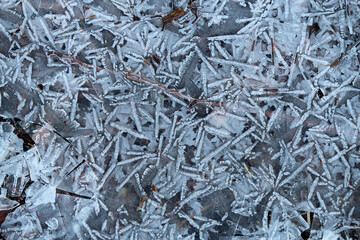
pixel 7 204
pixel 52 223
pixel 46 194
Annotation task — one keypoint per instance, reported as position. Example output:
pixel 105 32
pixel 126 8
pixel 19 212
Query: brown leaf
pixel 335 63
pixel 3 215
pixel 178 12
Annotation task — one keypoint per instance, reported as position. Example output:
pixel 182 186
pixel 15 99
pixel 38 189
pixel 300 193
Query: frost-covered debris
pixel 215 119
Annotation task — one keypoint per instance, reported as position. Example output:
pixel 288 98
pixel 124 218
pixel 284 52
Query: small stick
pixel 60 191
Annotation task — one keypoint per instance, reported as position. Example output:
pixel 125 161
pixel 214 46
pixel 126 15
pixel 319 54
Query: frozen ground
pixel 203 119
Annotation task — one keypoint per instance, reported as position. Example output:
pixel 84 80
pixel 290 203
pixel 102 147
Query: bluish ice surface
pixel 149 119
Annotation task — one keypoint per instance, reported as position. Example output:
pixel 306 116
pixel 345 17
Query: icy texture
pixel 216 119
